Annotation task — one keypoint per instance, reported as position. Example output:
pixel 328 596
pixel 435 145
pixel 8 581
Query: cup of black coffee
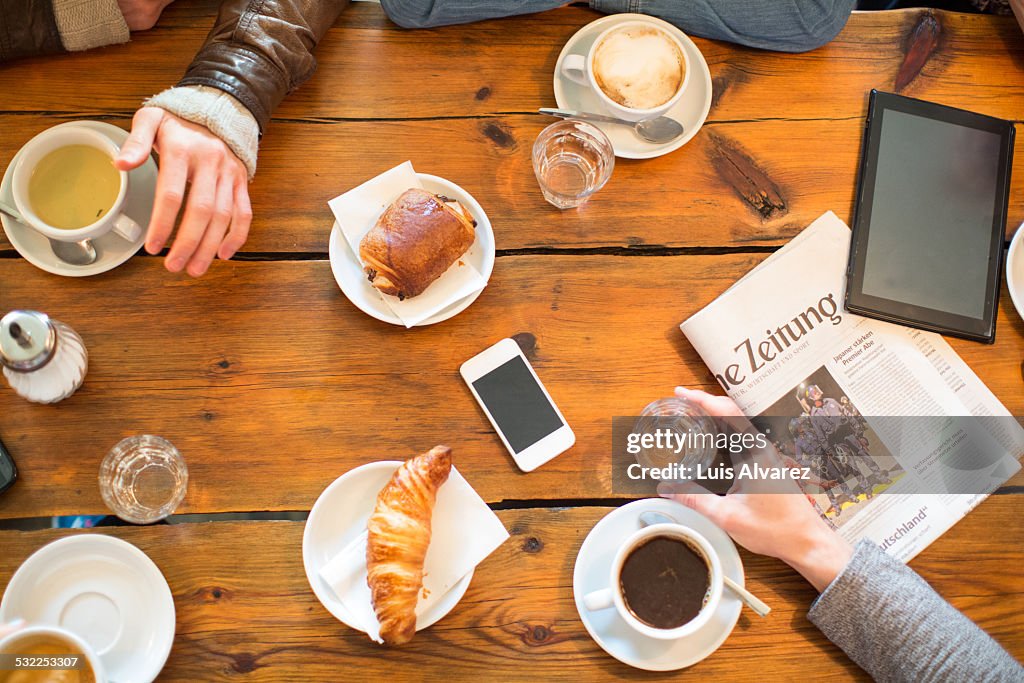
pixel 666 582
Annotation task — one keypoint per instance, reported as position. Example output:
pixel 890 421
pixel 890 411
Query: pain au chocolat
pixel 414 242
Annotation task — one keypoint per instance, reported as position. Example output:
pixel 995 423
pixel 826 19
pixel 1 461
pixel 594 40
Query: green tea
pixel 73 186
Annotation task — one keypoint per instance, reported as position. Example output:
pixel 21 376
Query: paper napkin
pixel 464 531
pixel 357 212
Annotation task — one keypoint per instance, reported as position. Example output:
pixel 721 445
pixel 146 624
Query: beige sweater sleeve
pixel 222 114
pixel 85 24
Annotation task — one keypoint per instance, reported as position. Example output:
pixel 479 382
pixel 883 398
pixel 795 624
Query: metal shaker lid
pixel 28 340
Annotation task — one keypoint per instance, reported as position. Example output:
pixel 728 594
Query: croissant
pixel 414 242
pixel 397 541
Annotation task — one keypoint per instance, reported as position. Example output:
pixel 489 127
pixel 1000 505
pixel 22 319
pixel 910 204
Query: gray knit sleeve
pixel 897 628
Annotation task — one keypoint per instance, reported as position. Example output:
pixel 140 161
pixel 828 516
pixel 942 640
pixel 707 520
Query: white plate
pixel 113 250
pixel 348 270
pixel 606 627
pixel 337 518
pixel 691 110
pixel 1015 270
pixel 104 590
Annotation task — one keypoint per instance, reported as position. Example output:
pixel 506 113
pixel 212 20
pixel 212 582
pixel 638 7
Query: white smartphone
pixel 517 404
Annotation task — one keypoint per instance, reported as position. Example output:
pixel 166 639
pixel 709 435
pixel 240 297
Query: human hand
pixel 141 15
pixel 217 212
pixel 781 525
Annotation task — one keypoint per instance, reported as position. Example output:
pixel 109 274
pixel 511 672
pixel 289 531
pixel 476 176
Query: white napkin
pixel 357 212
pixel 464 531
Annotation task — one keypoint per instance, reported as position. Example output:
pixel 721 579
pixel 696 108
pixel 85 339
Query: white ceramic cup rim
pixel 715 588
pixel 57 633
pixel 48 141
pixel 651 112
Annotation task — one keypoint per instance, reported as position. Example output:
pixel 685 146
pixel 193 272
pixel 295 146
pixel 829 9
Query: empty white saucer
pixel 348 270
pixel 104 590
pixel 337 518
pixel 691 111
pixel 606 627
pixel 112 250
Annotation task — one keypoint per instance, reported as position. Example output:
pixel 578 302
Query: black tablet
pixel 930 217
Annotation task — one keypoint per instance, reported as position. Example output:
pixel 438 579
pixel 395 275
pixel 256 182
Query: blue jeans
pixel 783 25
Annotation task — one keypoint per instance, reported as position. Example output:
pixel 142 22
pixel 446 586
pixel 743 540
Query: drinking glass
pixel 143 479
pixel 572 160
pixel 681 417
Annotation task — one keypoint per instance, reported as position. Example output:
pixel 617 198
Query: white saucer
pixel 104 590
pixel 1015 270
pixel 348 270
pixel 691 110
pixel 337 518
pixel 606 627
pixel 113 250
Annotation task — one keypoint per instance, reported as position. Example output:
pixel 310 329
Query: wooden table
pixel 272 384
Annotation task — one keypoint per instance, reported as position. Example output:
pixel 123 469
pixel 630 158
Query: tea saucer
pixel 348 269
pixel 104 590
pixel 113 250
pixel 606 627
pixel 336 519
pixel 691 111
pixel 1015 271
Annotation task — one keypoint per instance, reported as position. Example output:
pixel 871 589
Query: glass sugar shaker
pixel 44 360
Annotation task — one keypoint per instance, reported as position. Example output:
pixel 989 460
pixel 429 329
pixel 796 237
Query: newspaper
pixel 783 347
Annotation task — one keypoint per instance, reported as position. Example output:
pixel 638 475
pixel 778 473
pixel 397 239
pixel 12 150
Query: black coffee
pixel 664 582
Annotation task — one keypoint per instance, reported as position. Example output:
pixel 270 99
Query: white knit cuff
pixel 85 24
pixel 221 113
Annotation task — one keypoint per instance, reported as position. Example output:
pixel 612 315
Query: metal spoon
pixel 752 601
pixel 659 130
pixel 81 253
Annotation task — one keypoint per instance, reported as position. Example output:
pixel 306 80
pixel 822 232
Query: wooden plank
pixel 244 607
pixel 733 185
pixel 369 68
pixel 272 384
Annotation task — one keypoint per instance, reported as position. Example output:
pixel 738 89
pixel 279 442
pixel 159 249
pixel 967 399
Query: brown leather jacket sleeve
pixel 260 50
pixel 28 28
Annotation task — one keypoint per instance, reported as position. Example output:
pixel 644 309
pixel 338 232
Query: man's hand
pixel 217 211
pixel 782 525
pixel 141 15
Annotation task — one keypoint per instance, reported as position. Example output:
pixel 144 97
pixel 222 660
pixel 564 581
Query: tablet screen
pixel 931 217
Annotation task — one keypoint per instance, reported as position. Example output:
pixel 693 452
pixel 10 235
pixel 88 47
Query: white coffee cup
pixel 580 68
pixel 62 136
pixel 612 596
pixel 14 643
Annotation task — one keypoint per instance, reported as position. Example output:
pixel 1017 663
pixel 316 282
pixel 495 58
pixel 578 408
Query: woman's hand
pixel 141 15
pixel 782 525
pixel 217 211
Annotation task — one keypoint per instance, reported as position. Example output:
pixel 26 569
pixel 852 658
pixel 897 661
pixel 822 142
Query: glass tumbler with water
pixel 692 429
pixel 572 160
pixel 143 479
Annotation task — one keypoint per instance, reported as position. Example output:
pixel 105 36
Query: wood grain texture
pixel 245 609
pixel 738 184
pixel 272 384
pixel 783 127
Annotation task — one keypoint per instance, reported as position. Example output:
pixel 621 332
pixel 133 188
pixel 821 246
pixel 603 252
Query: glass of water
pixel 572 160
pixel 689 422
pixel 143 479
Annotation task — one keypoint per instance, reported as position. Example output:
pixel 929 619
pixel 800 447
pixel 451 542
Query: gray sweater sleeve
pixel 897 628
pixel 785 25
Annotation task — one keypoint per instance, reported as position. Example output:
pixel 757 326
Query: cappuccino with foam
pixel 639 67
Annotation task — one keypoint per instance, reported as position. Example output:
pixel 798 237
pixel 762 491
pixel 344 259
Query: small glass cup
pixel 572 160
pixel 686 419
pixel 143 479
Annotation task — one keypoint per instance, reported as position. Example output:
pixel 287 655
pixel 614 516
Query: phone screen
pixel 518 404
